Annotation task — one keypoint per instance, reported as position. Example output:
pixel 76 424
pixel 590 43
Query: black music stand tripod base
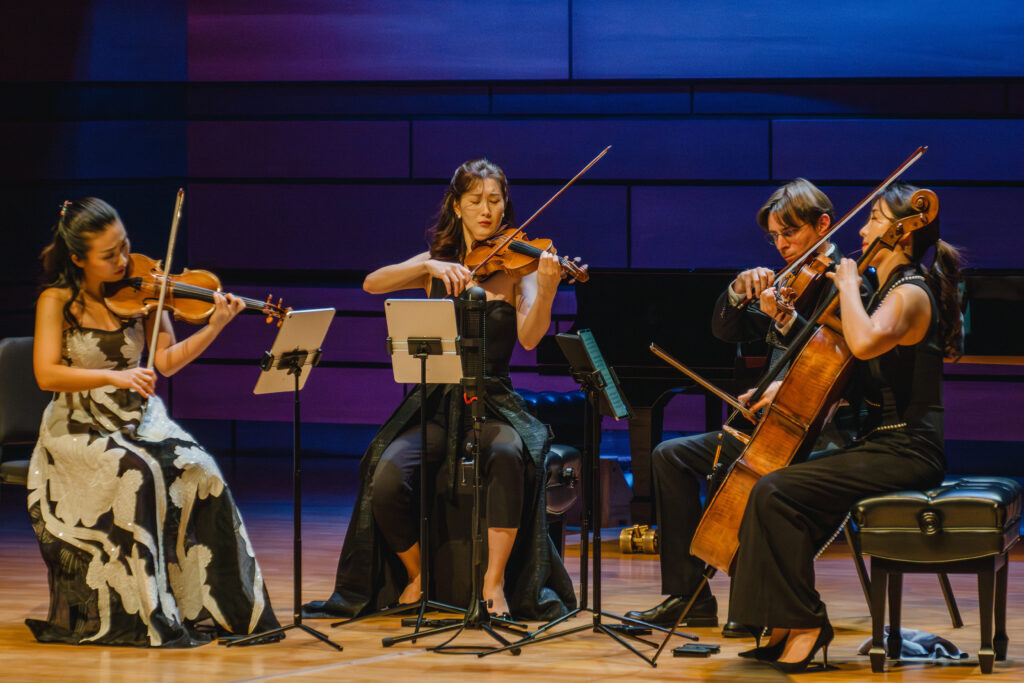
pixel 598 383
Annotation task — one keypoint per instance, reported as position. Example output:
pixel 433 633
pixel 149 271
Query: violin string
pixel 207 294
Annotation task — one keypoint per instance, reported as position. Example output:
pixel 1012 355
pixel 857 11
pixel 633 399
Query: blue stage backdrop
pixel 315 139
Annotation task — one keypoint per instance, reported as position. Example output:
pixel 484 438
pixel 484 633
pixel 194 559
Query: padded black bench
pixel 964 526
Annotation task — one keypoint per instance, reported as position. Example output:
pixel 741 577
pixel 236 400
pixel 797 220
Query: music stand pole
pixel 293 362
pixel 476 615
pixel 420 349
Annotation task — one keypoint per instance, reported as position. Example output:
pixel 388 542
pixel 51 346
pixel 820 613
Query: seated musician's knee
pixel 505 463
pixel 388 486
pixel 763 495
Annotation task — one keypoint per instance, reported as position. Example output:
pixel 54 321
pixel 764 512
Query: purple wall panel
pixel 356 227
pixel 644 150
pixel 979 410
pixel 335 395
pixel 982 221
pixel 971 218
pixel 810 39
pixel 962 99
pixel 316 40
pixel 589 222
pixel 298 149
pixel 685 413
pixel 605 100
pixel 93 149
pixel 869 149
pixel 699 227
pixel 348 339
pixel 342 297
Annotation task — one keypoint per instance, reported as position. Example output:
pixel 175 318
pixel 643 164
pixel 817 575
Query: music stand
pixel 604 397
pixel 424 345
pixel 286 367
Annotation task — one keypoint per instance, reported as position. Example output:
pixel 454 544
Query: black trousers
pixel 396 481
pixel 792 512
pixel 678 468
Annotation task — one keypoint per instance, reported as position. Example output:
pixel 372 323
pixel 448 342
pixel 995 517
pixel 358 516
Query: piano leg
pixel 645 430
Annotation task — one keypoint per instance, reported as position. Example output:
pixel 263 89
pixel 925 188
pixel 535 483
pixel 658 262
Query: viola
pixel 189 293
pixel 512 252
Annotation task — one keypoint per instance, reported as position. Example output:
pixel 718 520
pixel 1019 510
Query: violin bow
pixel 175 219
pixel 508 238
pixel 900 170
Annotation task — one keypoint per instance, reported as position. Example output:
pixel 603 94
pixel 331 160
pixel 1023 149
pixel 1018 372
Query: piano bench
pixel 964 526
pixel 562 411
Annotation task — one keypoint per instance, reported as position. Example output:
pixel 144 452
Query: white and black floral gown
pixel 138 529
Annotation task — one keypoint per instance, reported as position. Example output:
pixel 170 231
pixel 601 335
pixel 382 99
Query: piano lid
pixel 629 309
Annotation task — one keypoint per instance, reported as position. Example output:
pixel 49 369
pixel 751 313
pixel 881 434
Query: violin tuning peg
pixel 270 319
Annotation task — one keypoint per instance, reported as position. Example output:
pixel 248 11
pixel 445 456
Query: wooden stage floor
pixel 630 582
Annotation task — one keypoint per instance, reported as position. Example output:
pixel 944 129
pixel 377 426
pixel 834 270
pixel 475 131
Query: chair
pixel 21 406
pixel 964 526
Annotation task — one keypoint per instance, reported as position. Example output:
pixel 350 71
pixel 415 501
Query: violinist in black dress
pixel 380 558
pixel 899 339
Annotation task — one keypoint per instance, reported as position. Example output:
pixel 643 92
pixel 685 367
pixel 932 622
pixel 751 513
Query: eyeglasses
pixel 788 233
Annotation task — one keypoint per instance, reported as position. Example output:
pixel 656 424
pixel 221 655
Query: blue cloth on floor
pixel 920 645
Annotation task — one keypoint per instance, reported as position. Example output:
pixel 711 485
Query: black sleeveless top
pixel 500 335
pixel 903 387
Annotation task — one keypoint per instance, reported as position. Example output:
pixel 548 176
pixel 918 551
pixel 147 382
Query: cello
pixel 805 399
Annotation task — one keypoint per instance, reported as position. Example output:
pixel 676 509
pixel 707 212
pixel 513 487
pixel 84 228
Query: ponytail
pixel 944 280
pixel 77 224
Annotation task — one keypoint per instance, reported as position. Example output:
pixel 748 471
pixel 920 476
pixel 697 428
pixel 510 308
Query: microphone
pixel 474 352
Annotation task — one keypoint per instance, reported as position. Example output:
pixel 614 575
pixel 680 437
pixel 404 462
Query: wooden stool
pixel 964 526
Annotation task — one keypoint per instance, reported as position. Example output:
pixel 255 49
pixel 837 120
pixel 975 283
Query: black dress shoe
pixel 703 613
pixel 734 629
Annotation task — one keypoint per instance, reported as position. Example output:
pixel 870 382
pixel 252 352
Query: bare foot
pixel 494 593
pixel 411 593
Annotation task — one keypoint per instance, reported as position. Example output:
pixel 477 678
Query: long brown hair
pixel 943 275
pixel 445 236
pixel 77 224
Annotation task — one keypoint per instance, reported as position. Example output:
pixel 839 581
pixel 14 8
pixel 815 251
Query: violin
pixel 801 286
pixel 189 294
pixel 512 252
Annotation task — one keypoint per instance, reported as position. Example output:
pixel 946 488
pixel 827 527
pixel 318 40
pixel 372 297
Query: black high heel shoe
pixel 768 653
pixel 825 636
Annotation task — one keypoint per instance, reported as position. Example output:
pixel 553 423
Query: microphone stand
pixel 477 617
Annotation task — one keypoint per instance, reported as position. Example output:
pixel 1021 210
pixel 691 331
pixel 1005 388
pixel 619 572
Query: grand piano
pixel 627 310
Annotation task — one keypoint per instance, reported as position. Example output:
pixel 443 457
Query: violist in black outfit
pixel 899 339
pixel 795 217
pixel 380 558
